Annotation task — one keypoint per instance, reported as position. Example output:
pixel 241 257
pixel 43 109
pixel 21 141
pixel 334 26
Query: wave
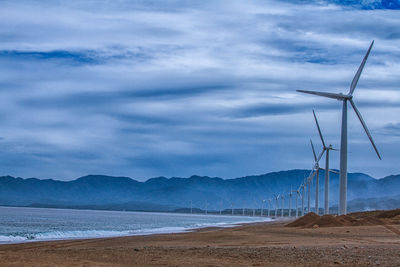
pixel 64 235
pixel 84 234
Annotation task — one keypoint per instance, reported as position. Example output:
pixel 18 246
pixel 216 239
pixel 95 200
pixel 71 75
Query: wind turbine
pixel 297 199
pixel 343 140
pixel 316 173
pixel 276 204
pixel 308 194
pixel 269 207
pixel 302 199
pixel 326 149
pixel 290 202
pixel 262 207
pixel 283 202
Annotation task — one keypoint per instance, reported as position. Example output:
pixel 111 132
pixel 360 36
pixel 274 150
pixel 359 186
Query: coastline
pixel 252 244
pixel 98 233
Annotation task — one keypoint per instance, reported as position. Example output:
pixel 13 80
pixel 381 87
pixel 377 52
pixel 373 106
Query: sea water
pixel 38 224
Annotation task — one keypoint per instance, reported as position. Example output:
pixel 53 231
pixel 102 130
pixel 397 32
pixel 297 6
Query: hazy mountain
pixel 123 193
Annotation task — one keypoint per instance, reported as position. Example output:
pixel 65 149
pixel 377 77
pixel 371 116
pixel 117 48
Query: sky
pixel 176 88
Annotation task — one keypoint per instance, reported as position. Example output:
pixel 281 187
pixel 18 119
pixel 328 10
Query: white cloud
pixel 178 88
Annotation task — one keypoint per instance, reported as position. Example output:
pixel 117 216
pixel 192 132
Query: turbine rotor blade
pixel 319 130
pixel 311 176
pixel 365 127
pixel 330 95
pixel 313 150
pixel 320 154
pixel 360 69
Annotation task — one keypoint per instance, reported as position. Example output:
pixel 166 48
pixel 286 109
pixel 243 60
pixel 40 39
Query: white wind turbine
pixel 308 185
pixel 297 199
pixel 316 173
pixel 276 204
pixel 326 149
pixel 302 198
pixel 308 182
pixel 343 141
pixel 283 202
pixel 290 202
pixel 269 207
pixel 262 207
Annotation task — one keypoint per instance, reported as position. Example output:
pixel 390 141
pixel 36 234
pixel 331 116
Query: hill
pixel 99 191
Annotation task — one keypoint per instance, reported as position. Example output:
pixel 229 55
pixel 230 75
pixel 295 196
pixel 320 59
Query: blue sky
pixel 175 88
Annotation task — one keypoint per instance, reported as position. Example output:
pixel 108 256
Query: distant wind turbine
pixel 326 149
pixel 297 199
pixel 290 202
pixel 269 207
pixel 343 141
pixel 262 207
pixel 283 202
pixel 276 205
pixel 302 198
pixel 308 195
pixel 316 174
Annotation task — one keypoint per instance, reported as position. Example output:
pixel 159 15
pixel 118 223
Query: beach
pixel 256 244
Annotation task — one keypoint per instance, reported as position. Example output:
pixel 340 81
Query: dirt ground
pixel 260 244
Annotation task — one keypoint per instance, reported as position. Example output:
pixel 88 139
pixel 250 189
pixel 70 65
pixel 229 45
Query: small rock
pixel 136 249
pixel 315 226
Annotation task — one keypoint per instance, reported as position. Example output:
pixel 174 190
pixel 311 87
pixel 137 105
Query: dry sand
pixel 260 244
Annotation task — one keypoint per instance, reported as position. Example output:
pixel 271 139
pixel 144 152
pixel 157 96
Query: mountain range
pixel 200 192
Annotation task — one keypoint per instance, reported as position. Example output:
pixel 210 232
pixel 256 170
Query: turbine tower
pixel 262 207
pixel 290 202
pixel 325 149
pixel 283 202
pixel 269 207
pixel 297 199
pixel 308 195
pixel 276 205
pixel 343 140
pixel 302 199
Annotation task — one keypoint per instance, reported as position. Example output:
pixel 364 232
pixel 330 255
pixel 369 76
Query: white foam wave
pixel 64 235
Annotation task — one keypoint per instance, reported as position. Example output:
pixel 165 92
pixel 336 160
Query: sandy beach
pixel 259 244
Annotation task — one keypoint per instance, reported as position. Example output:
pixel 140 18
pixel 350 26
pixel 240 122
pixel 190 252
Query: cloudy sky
pixel 175 88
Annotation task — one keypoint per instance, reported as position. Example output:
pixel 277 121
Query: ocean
pixel 19 224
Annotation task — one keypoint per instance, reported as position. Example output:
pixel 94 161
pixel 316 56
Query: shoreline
pixel 144 232
pixel 260 243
